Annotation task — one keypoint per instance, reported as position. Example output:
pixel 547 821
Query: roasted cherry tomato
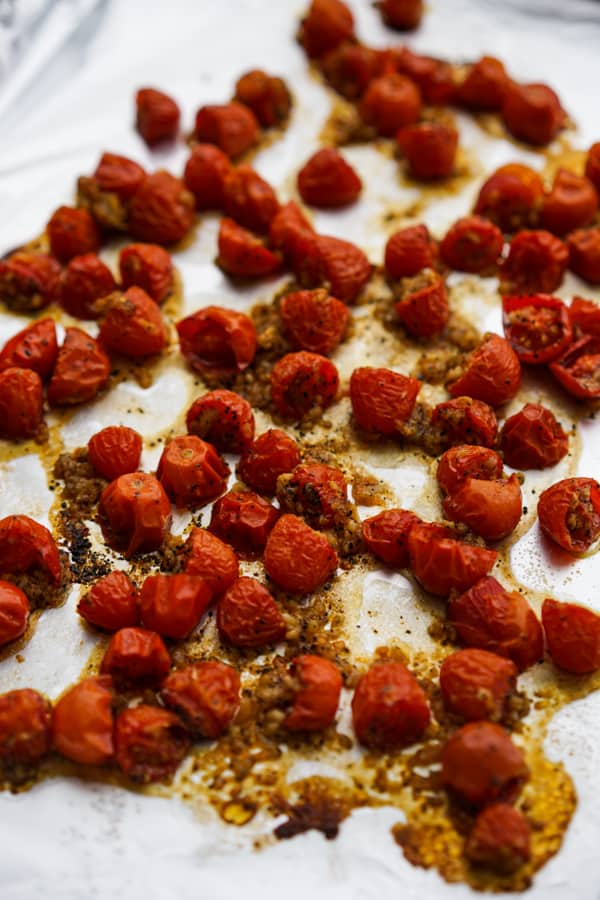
pixel 248 199
pixel 569 513
pixel 172 605
pixel 208 556
pixel 301 382
pixel 111 603
pixel 434 77
pixel 204 175
pixel 82 723
pixel 408 251
pixel 538 327
pixel 500 839
pixel 206 695
pixel 136 656
pixel 578 371
pixel 533 438
pixel 25 545
pixel 28 281
pixel 467 461
pixel 288 227
pixel 492 373
pixel 573 636
pixel 217 340
pixel 386 535
pixel 536 262
pixel 584 314
pixel 491 618
pixel 85 280
pixel 266 95
pixel 472 244
pixel 315 704
pixel 132 324
pixel 315 491
pixel 511 197
pixel 242 254
pixel 491 509
pixel 272 454
pixel 572 203
pixel 381 398
pixel 297 558
pixel 584 254
pixel 244 520
pixel 328 181
pixel 390 102
pixel 313 320
pixel 429 149
pixel 81 371
pixel 532 113
pixel 147 266
pixel 484 86
pixel 592 165
pixel 14 612
pixel 476 684
pixel 157 116
pixel 441 563
pixel 349 68
pixel 118 175
pixel 191 471
pixel 135 513
pixel 114 451
pixel 326 25
pixel 247 615
pixel 72 232
pixel 150 743
pixel 25 726
pixel 21 402
pixel 404 15
pixel 162 210
pixel 423 306
pixel 389 708
pixel 232 127
pixel 464 420
pixel 322 261
pixel 224 419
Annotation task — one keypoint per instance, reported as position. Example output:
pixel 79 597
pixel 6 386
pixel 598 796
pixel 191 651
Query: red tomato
pixel 242 254
pixel 25 545
pixel 492 509
pixel 315 705
pixel 85 280
pixel 536 262
pixel 434 77
pixel 135 513
pixel 533 438
pixel 302 381
pixel 114 451
pixel 390 102
pixel 224 419
pixel 429 148
pixel 206 695
pixel 569 513
pixel 81 371
pixel 492 373
pixel 25 726
pixel 172 605
pixel 204 175
pixel 28 281
pixel 584 254
pixel 511 197
pixel 585 314
pixel 157 116
pixel 314 321
pixel 133 325
pixel 319 260
pixel 423 308
pixel 232 127
pixel 272 454
pixel 532 113
pixel 538 327
pixel 592 165
pixel 210 557
pixel 389 708
pixel 249 199
pixel 150 743
pixel 247 615
pixel 72 232
pixel 14 612
pixel 297 558
pixel 244 520
pixel 315 491
pixel 136 656
pixel 111 603
pixel 118 175
pixel 381 399
pixel 500 839
pixel 573 636
pixel 441 563
pixel 473 244
pixel 21 404
pixel 466 421
pixel 288 227
pixel 403 15
pixel 572 203
pixel 484 86
pixel 266 95
pixel 217 340
pixel 480 764
pixel 162 210
pixel 328 181
pixel 408 251
pixel 82 724
pixel 487 616
pixel 476 684
pixel 147 266
pixel 386 535
pixel 326 25
pixel 578 371
pixel 466 461
pixel 192 472
pixel 349 68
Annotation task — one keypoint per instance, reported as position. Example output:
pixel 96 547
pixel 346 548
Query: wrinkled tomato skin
pixel 467 461
pixel 150 743
pixel 491 509
pixel 326 25
pixel 82 723
pixel 533 438
pixel 424 312
pixel 473 244
pixel 134 513
pixel 111 603
pixel 484 86
pixel 492 375
pixel 287 227
pixel 85 280
pixel 323 261
pixel 349 69
pixel 297 558
pixel 114 451
pixel 72 232
pixel 118 175
pixel 213 559
pixel 584 254
pixel 532 113
pixel 390 102
pixel 172 605
pixel 538 327
pixel 403 15
pixel 328 181
pixel 476 684
pixel 389 708
pixel 500 839
pixel 511 197
pixel 149 267
pixel 489 617
pixel 206 695
pixel 441 563
pixel 247 615
pixel 584 315
pixel 249 200
pixel 573 636
pixel 578 371
pixel 430 149
pixel 316 703
pixel 27 545
pixel 572 203
pixel 272 454
pixel 136 656
pixel 157 116
pixel 204 175
pixel 222 418
pixel 464 420
pixel 191 472
pixel 21 404
pixel 381 398
pixel 242 254
pixel 315 491
pixel 28 281
pixel 133 325
pixel 386 536
pixel 25 726
pixel 232 127
pixel 300 382
pixel 314 321
pixel 14 612
pixel 536 263
pixel 81 371
pixel 409 251
pixel 266 95
pixel 244 520
pixel 569 513
pixel 162 210
pixel 480 764
pixel 217 340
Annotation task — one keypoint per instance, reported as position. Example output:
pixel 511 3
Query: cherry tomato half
pixel 326 25
pixel 222 418
pixel 533 438
pixel 297 558
pixel 135 513
pixel 25 726
pixel 82 724
pixel 536 261
pixel 315 704
pixel 14 612
pixel 314 321
pixel 191 472
pixel 472 244
pixel 578 371
pixel 381 398
pixel 328 181
pixel 81 371
pixel 386 535
pixel 204 175
pixel 492 373
pixel 206 695
pixel 21 404
pixel 136 656
pixel 492 509
pixel 25 545
pixel 476 684
pixel 467 461
pixel 466 421
pixel 389 708
pixel 149 743
pixel 34 347
pixel 538 327
pixel 302 382
pixel 244 520
pixel 272 454
pixel 572 203
pixel 207 555
pixel 247 615
pixel 573 636
pixel 409 251
pixel 511 197
pixel 217 340
pixel 584 254
pixel 115 450
pixel 111 603
pixel 569 513
pixel 500 839
pixel 441 563
pixel 172 605
pixel 266 95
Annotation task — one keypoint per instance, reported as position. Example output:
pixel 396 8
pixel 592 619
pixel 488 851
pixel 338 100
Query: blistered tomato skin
pixel 584 314
pixel 111 603
pixel 28 281
pixel 467 461
pixel 136 656
pixel 85 280
pixel 511 197
pixel 573 636
pixel 389 708
pixel 157 116
pixel 172 605
pixel 423 308
pixel 538 327
pixel 213 559
pixel 569 513
pixel 381 398
pixel 204 175
pixel 150 743
pixel 82 723
pixel 118 175
pixel 162 210
pixel 572 203
pixel 314 321
pixel 492 373
pixel 232 127
pixel 149 267
pixel 249 200
pixel 242 254
pixel 533 438
pixel 500 839
pixel 191 472
pixel 327 181
pixel 491 509
pixel 536 262
pixel 441 563
pixel 532 113
pixel 81 371
pixel 473 244
pixel 390 102
pixel 247 615
pixel 429 148
pixel 316 703
pixel 72 232
pixel 484 86
pixel 114 451
pixel 319 260
pixel 272 454
pixel 134 513
pixel 25 726
pixel 302 381
pixel 408 251
pixel 244 520
pixel 25 545
pixel 21 404
pixel 133 325
pixel 266 95
pixel 578 371
pixel 464 420
pixel 326 25
pixel 222 418
pixel 297 558
pixel 206 695
pixel 14 612
pixel 476 684
pixel 404 15
pixel 386 535
pixel 584 254
pixel 217 340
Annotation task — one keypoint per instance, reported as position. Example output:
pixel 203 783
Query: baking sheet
pixel 58 110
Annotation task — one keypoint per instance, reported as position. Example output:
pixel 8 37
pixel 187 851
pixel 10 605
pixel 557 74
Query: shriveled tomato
pixel 467 461
pixel 115 450
pixel 328 181
pixel 434 77
pixel 135 513
pixel 14 612
pixel 242 254
pixel 232 127
pixel 480 764
pixel 25 726
pixel 313 320
pixel 592 165
pixel 157 115
pixel 492 509
pixel 118 175
pixel 315 704
pixel 266 95
pixel 26 546
pixel 584 254
pixel 386 535
pixel 349 68
pixel 82 723
pixel 492 373
pixel 315 491
pixel 72 232
pixel 132 324
pixel 150 743
pixel 536 262
pixel 247 615
pixel 248 199
pixel 224 419
pixel 191 471
pixel 382 398
pixel 28 281
pixel 172 605
pixel 404 15
pixel 217 340
pixel 572 203
pixel 423 306
pixel 204 175
pixel 301 382
pixel 297 558
pixel 464 420
pixel 149 267
pixel 272 454
pixel 213 559
pixel 21 402
pixel 533 438
pixel 511 197
pixel 85 280
pixel 389 708
pixel 569 513
pixel 476 684
pixel 81 371
pixel 573 636
pixel 326 25
pixel 206 695
pixel 288 227
pixel 473 244
pixel 162 209
pixel 538 327
pixel 429 149
pixel 578 371
pixel 319 260
pixel 584 315
pixel 390 102
pixel 111 603
pixel 491 618
pixel 484 85
pixel 244 520
pixel 136 656
pixel 500 839
pixel 441 563
pixel 532 113
pixel 408 251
